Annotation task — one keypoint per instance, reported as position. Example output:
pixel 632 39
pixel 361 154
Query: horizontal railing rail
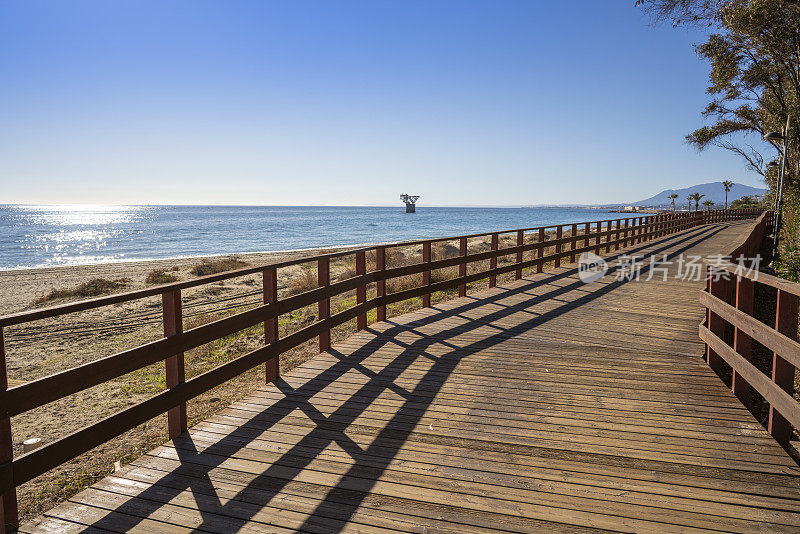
pixel 730 326
pixel 118 298
pixel 595 236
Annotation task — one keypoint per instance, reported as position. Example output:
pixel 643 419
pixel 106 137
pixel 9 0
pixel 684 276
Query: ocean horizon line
pixel 36 236
pixel 397 205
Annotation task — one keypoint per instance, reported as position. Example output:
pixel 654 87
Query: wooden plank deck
pixel 541 405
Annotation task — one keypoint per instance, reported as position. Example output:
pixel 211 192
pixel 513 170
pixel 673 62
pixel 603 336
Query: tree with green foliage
pixel 708 204
pixel 690 198
pixel 753 48
pixel 745 203
pixel 754 51
pixel 672 197
pixel 696 198
pixel 727 184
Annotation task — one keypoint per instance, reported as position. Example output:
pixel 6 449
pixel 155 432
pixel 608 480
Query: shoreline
pixel 190 257
pixel 20 287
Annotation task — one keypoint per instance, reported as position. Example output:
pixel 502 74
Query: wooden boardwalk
pixel 542 405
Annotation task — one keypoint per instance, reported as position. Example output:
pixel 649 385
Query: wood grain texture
pixel 543 404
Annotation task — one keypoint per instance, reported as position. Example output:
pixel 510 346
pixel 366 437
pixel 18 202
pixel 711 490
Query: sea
pixel 51 236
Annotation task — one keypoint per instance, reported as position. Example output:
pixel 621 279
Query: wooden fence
pixel 583 237
pixel 730 327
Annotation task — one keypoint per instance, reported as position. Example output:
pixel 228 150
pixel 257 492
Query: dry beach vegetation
pixel 48 346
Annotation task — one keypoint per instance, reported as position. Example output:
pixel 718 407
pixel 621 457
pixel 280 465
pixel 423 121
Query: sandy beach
pixel 48 346
pixel 19 288
pixel 45 347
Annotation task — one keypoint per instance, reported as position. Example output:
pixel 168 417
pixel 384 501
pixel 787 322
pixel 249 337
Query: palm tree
pixel 672 197
pixel 696 197
pixel 708 204
pixel 690 198
pixel 727 184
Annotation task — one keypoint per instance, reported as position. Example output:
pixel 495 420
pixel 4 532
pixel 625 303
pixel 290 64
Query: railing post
pixel 559 234
pixel 608 237
pixel 493 260
pixel 643 229
pixel 618 234
pixel 175 371
pixel 574 242
pixel 597 237
pixel 783 371
pixel 741 341
pixel 324 305
pixel 520 242
pixel 462 267
pixel 625 232
pixel 271 367
pixel 716 324
pixel 361 290
pixel 426 275
pixel 540 250
pixel 587 230
pixel 380 286
pixel 9 513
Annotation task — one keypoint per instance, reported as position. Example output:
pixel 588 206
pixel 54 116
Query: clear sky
pixel 347 103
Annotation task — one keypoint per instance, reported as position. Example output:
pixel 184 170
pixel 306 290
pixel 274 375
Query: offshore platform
pixel 411 202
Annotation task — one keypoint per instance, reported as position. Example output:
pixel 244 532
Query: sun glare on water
pixel 82 214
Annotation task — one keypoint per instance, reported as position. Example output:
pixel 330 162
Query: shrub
pixel 93 288
pixel 206 267
pixel 443 251
pixel 160 276
pixel 305 280
pixel 198 320
pixel 402 283
pixel 349 271
pixel 744 203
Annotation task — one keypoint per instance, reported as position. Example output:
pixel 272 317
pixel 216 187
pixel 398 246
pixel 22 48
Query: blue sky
pixel 347 103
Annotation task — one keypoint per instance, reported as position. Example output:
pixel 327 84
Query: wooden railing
pixel 595 236
pixel 730 327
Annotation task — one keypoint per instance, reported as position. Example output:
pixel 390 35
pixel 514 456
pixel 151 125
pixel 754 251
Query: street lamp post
pixel 775 165
pixel 773 137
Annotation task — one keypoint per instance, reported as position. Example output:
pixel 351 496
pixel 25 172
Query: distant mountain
pixel 712 191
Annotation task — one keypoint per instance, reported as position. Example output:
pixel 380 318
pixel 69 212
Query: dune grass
pixel 206 267
pixel 93 288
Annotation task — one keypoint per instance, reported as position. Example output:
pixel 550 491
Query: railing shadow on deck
pixel 549 244
pixel 341 501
